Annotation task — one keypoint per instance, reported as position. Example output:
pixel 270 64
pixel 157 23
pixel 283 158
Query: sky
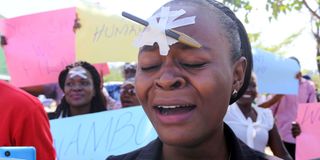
pixel 304 47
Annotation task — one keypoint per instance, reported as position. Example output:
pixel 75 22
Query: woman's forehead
pixel 207 28
pixel 78 72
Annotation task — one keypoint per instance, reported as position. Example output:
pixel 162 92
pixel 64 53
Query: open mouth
pixel 246 96
pixel 174 109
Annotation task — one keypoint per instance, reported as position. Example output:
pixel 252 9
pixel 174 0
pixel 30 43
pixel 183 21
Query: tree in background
pixel 275 7
pixel 275 49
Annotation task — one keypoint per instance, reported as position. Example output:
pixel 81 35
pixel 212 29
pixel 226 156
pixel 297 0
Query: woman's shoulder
pixel 150 151
pixel 52 115
pixel 240 150
pixel 264 111
pixel 127 156
pixel 265 116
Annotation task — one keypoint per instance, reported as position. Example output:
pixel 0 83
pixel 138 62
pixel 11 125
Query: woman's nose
pixel 170 80
pixel 77 87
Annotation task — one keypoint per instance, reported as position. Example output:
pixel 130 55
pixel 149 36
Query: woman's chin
pixel 178 140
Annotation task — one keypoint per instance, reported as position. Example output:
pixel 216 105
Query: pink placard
pixel 102 68
pixel 308 142
pixel 39 46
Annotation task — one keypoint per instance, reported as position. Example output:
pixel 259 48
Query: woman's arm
pixel 276 144
pixel 272 101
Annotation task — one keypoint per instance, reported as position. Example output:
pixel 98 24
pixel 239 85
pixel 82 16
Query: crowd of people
pixel 201 101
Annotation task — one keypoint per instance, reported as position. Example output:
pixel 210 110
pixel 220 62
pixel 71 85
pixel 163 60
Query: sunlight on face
pixel 186 93
pixel 79 87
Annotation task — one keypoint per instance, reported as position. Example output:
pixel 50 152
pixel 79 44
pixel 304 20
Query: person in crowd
pixel 255 125
pixel 285 109
pixel 307 77
pixel 128 93
pixel 129 70
pixel 82 89
pixel 24 122
pixel 186 90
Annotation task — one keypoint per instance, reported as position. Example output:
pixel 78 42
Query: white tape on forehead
pixel 78 71
pixel 155 31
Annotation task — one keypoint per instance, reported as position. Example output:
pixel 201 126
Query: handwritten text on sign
pixel 39 46
pixel 98 135
pixel 105 37
pixel 308 142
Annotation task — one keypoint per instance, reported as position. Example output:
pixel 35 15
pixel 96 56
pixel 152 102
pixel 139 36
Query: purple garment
pixel 285 111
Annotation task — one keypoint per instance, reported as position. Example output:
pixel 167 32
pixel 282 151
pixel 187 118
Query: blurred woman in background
pixel 82 87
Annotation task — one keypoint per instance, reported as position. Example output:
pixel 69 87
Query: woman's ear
pixel 239 70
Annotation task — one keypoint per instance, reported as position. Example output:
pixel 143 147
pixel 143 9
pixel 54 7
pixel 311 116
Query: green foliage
pixel 254 37
pixel 273 48
pixel 235 5
pixel 316 79
pixel 276 7
pixel 283 6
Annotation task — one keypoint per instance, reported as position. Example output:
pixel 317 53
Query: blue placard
pixel 98 135
pixel 17 153
pixel 275 74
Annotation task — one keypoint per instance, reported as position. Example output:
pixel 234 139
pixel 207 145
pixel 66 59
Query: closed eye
pixel 193 65
pixel 150 68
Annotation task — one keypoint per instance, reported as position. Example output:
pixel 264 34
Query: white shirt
pixel 254 134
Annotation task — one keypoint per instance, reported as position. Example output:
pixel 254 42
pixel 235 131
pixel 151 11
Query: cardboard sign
pixel 39 46
pixel 308 142
pixel 105 37
pixel 275 74
pixel 98 135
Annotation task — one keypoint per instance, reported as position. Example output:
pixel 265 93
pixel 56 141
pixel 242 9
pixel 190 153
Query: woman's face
pixel 186 93
pixel 79 88
pixel 251 93
pixel 128 95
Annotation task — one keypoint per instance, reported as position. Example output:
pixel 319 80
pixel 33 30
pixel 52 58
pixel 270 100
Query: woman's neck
pixel 247 110
pixel 79 110
pixel 214 147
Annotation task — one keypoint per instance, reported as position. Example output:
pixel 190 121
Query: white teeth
pixel 246 96
pixel 167 107
pixel 177 106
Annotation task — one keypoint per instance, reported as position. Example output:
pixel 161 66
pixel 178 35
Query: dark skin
pixel 128 95
pixel 79 92
pixel 245 105
pixel 295 130
pixel 202 79
pixel 3 40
